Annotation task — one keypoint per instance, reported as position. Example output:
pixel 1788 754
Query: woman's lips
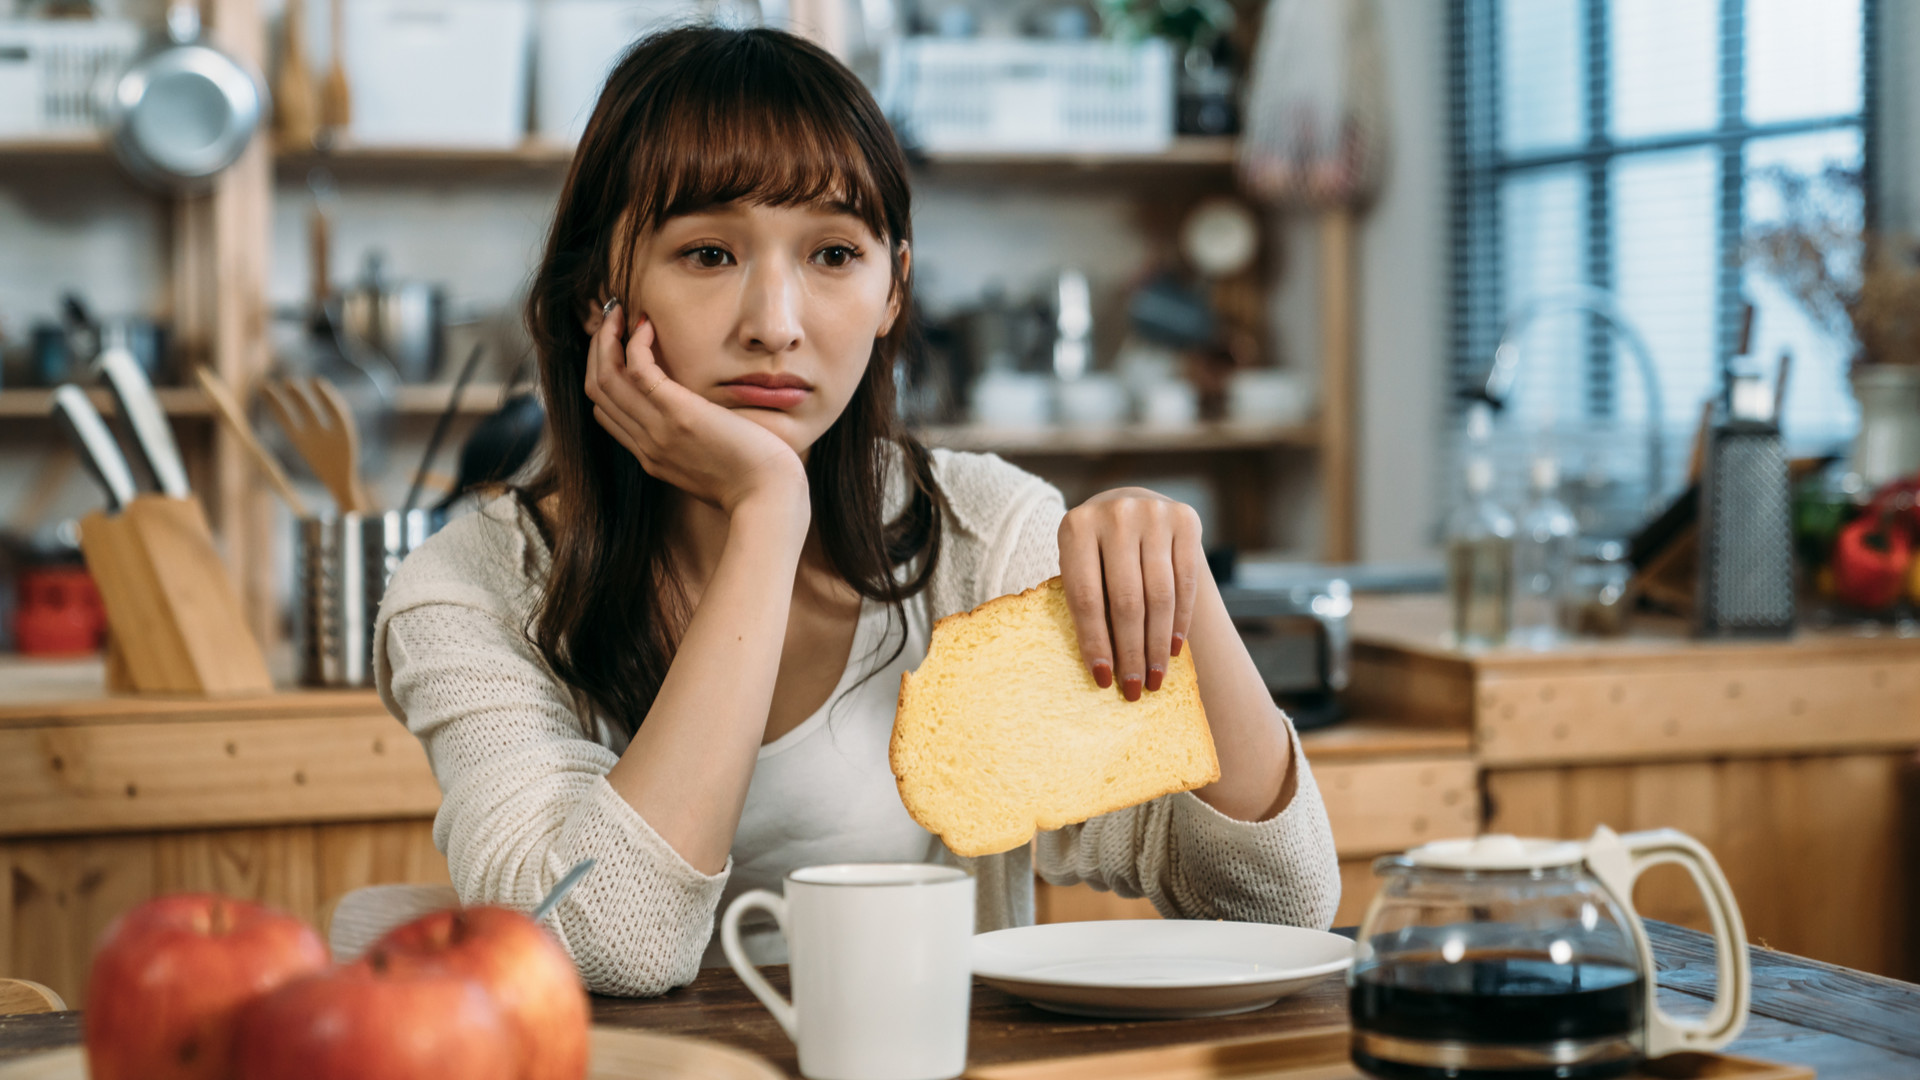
pixel 756 396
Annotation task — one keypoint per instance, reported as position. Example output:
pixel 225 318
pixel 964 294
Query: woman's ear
pixel 898 298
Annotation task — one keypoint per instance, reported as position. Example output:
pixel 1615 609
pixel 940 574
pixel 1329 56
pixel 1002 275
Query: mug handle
pixel 776 905
pixel 1618 861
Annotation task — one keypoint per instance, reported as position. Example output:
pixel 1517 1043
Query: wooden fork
pixel 315 416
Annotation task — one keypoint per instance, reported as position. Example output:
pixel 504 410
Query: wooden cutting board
pixel 618 1054
pixel 1317 1054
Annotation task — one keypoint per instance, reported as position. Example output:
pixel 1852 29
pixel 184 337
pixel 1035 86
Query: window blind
pixel 1632 146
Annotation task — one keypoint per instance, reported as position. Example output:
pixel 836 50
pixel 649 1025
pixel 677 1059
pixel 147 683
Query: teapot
pixel 1517 958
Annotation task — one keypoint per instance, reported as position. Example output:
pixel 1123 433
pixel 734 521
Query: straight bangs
pixel 756 127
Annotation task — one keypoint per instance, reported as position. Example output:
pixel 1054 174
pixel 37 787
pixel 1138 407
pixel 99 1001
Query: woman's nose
pixel 770 315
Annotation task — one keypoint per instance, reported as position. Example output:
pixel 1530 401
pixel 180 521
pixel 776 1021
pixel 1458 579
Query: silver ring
pixel 607 308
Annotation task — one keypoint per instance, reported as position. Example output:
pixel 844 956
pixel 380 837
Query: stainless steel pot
pixel 181 114
pixel 403 320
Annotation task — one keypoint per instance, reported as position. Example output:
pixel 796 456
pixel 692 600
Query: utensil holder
pixel 175 618
pixel 345 562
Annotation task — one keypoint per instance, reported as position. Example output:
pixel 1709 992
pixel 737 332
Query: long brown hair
pixel 689 119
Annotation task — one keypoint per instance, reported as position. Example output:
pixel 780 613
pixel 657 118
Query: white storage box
pixel 438 72
pixel 1019 95
pixel 579 42
pixel 52 71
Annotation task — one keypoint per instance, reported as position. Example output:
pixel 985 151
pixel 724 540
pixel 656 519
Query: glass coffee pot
pixel 1506 958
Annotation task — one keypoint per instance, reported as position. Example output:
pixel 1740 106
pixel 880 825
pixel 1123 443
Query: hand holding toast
pixel 1131 561
pixel 702 448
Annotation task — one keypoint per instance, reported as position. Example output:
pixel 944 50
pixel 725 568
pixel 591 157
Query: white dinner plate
pixel 1156 968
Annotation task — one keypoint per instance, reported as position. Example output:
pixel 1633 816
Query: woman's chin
pixel 790 429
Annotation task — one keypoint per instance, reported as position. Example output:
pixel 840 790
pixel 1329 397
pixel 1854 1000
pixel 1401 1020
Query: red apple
pixel 170 975
pixel 361 1022
pixel 525 971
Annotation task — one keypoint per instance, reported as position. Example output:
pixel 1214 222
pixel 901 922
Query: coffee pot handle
pixel 1618 861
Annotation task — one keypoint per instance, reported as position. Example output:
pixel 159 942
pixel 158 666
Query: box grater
pixel 1746 530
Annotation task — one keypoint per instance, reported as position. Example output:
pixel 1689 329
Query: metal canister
pixel 345 562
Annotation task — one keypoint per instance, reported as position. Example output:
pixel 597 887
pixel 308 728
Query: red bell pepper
pixel 1870 560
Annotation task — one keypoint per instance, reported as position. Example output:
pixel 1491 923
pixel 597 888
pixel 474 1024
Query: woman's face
pixel 771 311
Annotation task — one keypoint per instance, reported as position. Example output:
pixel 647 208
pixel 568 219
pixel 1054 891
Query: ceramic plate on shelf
pixel 1156 968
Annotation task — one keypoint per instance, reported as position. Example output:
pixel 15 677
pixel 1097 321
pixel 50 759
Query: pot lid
pixel 1497 851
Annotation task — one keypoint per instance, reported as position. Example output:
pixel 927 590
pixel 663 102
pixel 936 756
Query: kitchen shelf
pixel 1121 439
pixel 1187 153
pixel 187 402
pixel 29 403
pixel 537 157
pixel 74 146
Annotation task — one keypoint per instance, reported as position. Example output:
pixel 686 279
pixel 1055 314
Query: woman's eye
pixel 836 255
pixel 708 256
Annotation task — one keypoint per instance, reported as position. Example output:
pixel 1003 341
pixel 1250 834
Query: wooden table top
pixel 1845 1024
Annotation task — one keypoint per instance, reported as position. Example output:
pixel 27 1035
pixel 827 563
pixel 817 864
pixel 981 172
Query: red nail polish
pixel 1155 675
pixel 1102 674
pixel 1130 686
pixel 1178 641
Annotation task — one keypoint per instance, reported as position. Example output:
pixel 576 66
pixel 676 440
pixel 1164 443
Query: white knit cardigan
pixel 525 794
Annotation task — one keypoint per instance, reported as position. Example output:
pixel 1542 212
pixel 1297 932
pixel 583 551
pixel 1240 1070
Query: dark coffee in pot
pixel 1493 1016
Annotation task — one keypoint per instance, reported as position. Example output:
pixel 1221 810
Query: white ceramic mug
pixel 880 955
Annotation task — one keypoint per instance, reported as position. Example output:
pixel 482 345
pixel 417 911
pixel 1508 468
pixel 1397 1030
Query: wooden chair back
pixel 364 914
pixel 19 996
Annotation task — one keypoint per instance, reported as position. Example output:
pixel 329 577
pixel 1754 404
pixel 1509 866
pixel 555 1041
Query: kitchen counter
pixel 1788 759
pixel 1793 760
pixel 291 799
pixel 296 797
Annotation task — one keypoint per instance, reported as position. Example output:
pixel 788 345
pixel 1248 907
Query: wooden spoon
pixel 315 417
pixel 228 406
pixel 336 97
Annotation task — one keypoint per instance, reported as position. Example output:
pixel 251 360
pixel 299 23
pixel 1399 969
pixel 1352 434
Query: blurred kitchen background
pixel 1516 354
pixel 1258 255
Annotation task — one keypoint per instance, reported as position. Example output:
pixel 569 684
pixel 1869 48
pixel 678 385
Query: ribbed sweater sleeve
pixel 525 794
pixel 1190 860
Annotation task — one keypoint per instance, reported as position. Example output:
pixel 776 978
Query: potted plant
pixel 1860 285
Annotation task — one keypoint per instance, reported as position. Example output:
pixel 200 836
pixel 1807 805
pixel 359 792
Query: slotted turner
pixel 315 417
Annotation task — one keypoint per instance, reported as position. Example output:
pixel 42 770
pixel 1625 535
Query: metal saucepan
pixel 403 320
pixel 182 113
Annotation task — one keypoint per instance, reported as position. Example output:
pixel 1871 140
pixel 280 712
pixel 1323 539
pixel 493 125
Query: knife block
pixel 175 621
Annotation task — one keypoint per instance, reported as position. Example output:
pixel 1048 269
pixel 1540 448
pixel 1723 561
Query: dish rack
pixel 51 73
pixel 1029 96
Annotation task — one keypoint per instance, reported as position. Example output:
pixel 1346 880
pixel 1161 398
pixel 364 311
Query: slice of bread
pixel 1002 731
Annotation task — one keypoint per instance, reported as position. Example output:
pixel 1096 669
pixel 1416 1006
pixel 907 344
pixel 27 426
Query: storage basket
pixel 1027 96
pixel 578 43
pixel 450 73
pixel 52 71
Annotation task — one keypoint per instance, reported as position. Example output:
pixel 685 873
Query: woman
pixel 677 649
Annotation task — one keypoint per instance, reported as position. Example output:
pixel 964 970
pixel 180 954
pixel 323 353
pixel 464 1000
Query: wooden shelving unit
pixel 1123 439
pixel 188 403
pixel 218 270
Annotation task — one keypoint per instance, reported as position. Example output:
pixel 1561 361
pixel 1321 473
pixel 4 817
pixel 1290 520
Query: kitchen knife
pixel 145 416
pixel 89 433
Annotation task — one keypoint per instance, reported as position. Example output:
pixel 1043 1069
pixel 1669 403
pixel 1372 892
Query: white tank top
pixel 824 792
